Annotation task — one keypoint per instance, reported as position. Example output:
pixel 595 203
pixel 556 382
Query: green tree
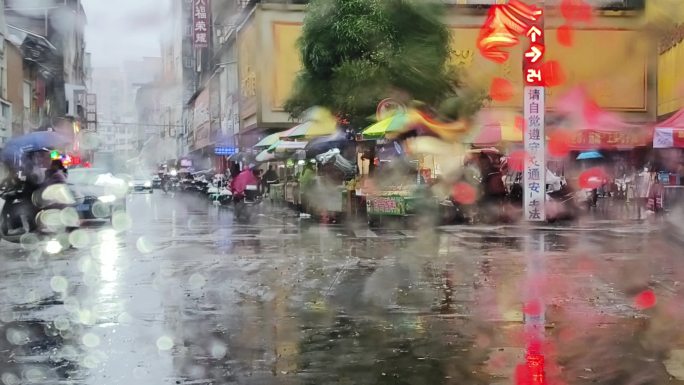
pixel 358 52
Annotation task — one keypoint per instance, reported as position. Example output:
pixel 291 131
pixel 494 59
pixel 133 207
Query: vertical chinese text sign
pixel 201 23
pixel 534 137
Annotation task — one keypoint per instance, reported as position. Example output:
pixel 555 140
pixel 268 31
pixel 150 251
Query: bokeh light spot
pixel 53 246
pixel 576 11
pixel 90 340
pixel 59 284
pixel 145 245
pixel 532 308
pixel 464 193
pixel 516 160
pixel 121 221
pixel 644 300
pixel 10 379
pixel 197 281
pixel 218 350
pixel 164 343
pixel 564 34
pixel 17 336
pixel 559 143
pixel 69 217
pixel 501 90
pixel 79 239
pixel 61 323
pixel 553 73
pixel 592 178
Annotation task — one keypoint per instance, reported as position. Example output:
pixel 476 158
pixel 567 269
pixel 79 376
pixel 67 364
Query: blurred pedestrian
pixel 56 174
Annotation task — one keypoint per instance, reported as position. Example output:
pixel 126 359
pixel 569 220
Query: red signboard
pixel 201 23
pixel 534 54
pixel 591 140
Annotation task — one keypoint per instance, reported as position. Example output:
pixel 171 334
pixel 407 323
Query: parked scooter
pixel 45 212
pixel 246 206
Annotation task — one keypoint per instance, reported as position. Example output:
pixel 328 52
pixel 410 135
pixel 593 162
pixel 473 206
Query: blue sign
pixel 225 151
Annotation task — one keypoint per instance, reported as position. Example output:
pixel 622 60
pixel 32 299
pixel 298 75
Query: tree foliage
pixel 357 52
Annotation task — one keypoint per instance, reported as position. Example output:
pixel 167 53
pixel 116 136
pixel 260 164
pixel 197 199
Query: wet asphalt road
pixel 177 293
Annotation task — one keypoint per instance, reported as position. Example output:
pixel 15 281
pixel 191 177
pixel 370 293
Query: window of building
pixel 28 95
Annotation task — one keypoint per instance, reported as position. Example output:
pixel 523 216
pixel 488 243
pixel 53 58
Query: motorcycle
pixel 247 203
pixel 47 211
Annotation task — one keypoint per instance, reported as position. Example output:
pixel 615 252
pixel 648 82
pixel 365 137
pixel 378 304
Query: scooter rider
pixel 31 175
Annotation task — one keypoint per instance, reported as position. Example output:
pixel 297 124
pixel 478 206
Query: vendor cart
pixel 390 205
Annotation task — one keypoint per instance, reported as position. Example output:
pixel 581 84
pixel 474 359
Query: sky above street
pixel 123 30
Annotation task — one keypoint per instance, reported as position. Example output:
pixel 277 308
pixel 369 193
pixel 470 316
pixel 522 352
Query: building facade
pixel 621 79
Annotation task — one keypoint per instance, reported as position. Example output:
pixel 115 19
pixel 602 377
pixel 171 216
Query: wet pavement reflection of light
pixel 185 295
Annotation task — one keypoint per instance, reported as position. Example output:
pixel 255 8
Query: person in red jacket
pixel 242 180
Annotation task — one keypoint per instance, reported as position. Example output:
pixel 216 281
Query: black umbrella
pixel 326 143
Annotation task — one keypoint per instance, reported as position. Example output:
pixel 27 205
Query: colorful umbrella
pixel 317 122
pixel 589 155
pixel 393 124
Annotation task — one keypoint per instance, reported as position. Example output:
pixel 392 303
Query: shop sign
pixel 585 140
pixel 201 23
pixel 386 205
pixel 225 151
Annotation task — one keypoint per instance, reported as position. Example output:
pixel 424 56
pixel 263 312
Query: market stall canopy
pixel 318 121
pixel 582 113
pixel 394 123
pixel 265 156
pixel 670 133
pixel 273 138
pixel 283 146
pixel 592 127
pixel 494 128
pixel 418 122
pixel 325 143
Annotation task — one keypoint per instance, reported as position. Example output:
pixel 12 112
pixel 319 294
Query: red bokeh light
pixel 501 90
pixel 564 35
pixel 532 308
pixel 592 178
pixel 504 24
pixel 464 193
pixel 519 123
pixel 552 73
pixel 576 10
pixel 559 143
pixel 644 300
pixel 516 160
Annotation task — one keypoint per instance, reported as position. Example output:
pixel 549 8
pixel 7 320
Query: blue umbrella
pixel 589 155
pixel 34 141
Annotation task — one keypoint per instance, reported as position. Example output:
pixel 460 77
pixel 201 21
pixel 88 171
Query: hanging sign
pixel 534 136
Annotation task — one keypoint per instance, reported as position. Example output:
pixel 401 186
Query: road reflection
pixel 185 295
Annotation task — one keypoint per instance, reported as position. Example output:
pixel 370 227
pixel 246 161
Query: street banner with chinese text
pixel 201 23
pixel 535 148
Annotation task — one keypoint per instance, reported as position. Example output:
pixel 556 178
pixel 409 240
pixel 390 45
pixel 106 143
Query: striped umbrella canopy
pixel 273 138
pixel 318 121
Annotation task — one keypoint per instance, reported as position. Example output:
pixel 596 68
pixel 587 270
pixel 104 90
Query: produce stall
pixel 389 204
pixel 291 193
